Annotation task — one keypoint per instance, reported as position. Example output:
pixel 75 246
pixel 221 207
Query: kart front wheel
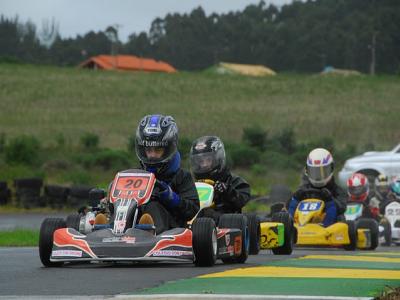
pixel 352 231
pixel 204 241
pixel 253 223
pixel 289 233
pixel 73 221
pixel 236 221
pixel 49 225
pixel 387 232
pixel 373 227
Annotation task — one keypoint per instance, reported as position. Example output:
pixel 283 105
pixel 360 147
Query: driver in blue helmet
pixel 176 197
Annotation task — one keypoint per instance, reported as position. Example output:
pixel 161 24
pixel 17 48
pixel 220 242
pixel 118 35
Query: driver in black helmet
pixel 175 193
pixel 208 161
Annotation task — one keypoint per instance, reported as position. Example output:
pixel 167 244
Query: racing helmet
pixel 382 187
pixel 319 167
pixel 358 187
pixel 395 187
pixel 207 157
pixel 156 142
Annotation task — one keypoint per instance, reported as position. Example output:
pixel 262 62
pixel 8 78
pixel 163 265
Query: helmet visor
pixel 358 191
pixel 382 189
pixel 155 154
pixel 319 173
pixel 203 162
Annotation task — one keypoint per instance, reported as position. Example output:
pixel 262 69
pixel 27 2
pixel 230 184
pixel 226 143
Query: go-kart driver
pixel 358 191
pixel 383 193
pixel 175 195
pixel 208 161
pixel 319 176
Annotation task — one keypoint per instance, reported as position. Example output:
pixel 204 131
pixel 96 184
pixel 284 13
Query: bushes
pixel 22 150
pixel 90 141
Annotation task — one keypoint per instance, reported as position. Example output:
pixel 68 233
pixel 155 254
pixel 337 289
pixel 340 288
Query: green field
pixel 49 102
pixel 46 101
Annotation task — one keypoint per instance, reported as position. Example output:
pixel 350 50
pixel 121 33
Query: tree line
pixel 302 36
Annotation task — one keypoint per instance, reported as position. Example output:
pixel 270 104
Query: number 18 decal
pixel 310 206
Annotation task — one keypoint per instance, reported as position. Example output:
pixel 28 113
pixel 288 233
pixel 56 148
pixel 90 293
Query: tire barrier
pixel 56 196
pixel 28 192
pixel 5 193
pixel 79 196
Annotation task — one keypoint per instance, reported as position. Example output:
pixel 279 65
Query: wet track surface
pixel 21 273
pixel 11 221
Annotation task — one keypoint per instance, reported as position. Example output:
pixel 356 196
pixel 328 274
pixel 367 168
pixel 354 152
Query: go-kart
pixel 123 238
pixel 276 233
pixel 392 214
pixel 308 219
pixel 365 224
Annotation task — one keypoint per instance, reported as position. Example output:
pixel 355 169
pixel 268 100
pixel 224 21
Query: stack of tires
pixel 56 196
pixel 5 193
pixel 79 196
pixel 28 192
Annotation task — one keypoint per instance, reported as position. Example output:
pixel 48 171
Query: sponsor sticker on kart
pixel 238 245
pixel 70 253
pixel 171 253
pixel 339 237
pixel 124 239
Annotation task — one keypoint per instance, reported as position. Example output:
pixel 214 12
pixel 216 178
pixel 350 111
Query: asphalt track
pixel 21 273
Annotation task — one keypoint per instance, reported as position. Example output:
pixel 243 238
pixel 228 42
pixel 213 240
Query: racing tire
pixel 204 242
pixel 73 221
pixel 49 225
pixel 373 227
pixel 352 231
pixel 237 221
pixel 387 232
pixel 289 233
pixel 253 224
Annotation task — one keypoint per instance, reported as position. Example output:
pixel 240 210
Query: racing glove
pixel 167 195
pixel 220 187
pixel 331 213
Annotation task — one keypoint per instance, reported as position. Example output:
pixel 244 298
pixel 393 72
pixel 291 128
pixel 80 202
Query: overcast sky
pixel 80 16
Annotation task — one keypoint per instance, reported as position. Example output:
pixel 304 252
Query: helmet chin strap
pixel 166 168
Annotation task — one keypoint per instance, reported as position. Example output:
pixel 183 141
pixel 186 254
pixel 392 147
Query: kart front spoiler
pixel 135 245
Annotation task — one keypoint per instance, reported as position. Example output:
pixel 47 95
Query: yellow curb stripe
pixel 353 258
pixel 382 253
pixel 272 271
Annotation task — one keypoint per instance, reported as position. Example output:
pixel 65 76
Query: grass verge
pixel 19 238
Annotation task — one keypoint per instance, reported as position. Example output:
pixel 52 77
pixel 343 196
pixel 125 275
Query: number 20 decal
pixel 134 183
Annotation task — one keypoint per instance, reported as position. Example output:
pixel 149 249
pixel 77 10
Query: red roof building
pixel 127 63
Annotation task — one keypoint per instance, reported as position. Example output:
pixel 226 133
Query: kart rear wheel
pixel 253 223
pixel 387 231
pixel 352 231
pixel 373 227
pixel 49 225
pixel 289 233
pixel 237 221
pixel 204 241
pixel 73 221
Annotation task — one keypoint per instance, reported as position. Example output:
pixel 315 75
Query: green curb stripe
pixel 276 286
pixel 381 254
pixel 325 263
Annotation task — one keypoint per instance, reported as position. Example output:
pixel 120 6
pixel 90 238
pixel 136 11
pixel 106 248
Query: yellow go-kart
pixel 276 233
pixel 308 220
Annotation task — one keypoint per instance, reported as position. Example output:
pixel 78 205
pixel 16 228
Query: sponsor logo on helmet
pixel 200 146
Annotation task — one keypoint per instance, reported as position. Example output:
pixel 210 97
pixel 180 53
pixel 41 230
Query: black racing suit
pixel 233 199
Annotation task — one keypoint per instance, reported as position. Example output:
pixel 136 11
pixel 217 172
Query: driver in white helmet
pixel 319 176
